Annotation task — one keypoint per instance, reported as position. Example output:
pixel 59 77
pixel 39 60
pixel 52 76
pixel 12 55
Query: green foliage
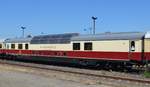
pixel 147 74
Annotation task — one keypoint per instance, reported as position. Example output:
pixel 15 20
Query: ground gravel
pixel 21 79
pixel 19 76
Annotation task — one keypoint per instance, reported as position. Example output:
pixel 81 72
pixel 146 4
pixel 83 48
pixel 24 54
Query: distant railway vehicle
pixel 107 49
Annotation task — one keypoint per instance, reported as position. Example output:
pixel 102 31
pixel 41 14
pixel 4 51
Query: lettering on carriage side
pixel 48 47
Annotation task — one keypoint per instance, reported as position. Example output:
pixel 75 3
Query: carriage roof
pixel 53 39
pixel 18 40
pixel 66 38
pixel 111 36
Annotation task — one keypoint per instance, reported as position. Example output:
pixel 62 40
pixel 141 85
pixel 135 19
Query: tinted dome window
pixel 53 39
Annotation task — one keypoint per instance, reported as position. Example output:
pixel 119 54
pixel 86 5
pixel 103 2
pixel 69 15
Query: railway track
pixel 74 71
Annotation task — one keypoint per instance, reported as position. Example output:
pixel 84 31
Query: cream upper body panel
pixel 55 47
pixel 16 46
pixel 147 42
pixel 115 46
pixel 111 45
pixel 138 45
pixel 147 45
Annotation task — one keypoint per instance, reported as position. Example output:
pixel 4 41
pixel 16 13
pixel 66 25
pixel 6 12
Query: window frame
pixel 13 46
pixel 88 46
pixel 132 46
pixel 26 46
pixel 77 46
pixel 20 46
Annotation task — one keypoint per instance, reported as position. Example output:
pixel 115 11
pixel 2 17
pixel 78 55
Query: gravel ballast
pixel 20 79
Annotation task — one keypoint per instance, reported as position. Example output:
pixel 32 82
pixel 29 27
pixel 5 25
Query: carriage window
pixel 12 46
pixel 88 46
pixel 26 46
pixel 0 45
pixel 19 46
pixel 7 46
pixel 76 46
pixel 132 45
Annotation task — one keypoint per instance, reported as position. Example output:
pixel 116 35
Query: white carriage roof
pixel 110 36
pixel 18 40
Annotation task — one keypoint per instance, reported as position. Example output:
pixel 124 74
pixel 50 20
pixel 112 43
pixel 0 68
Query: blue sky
pixel 64 16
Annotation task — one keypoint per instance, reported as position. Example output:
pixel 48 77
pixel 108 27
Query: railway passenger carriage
pixel 126 49
pixel 17 43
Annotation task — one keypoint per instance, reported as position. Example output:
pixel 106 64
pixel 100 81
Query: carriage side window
pixel 76 46
pixel 7 46
pixel 0 45
pixel 26 46
pixel 132 45
pixel 12 46
pixel 19 46
pixel 88 46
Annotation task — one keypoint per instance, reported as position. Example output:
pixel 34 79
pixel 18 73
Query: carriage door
pixel 131 49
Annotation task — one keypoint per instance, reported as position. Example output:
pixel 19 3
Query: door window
pixel 132 48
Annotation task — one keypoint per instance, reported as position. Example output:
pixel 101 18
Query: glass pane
pixel 76 46
pixel 87 46
pixel 19 46
pixel 0 45
pixel 53 39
